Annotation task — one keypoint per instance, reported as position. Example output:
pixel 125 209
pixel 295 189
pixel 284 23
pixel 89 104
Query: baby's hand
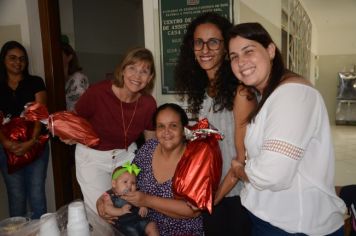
pixel 126 209
pixel 143 211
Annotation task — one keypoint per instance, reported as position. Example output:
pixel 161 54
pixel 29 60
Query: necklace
pixel 126 129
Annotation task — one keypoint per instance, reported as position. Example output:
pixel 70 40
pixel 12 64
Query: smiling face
pixel 209 59
pixel 251 62
pixel 136 76
pixel 169 129
pixel 126 182
pixel 15 61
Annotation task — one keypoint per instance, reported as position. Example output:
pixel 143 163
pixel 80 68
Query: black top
pixel 13 101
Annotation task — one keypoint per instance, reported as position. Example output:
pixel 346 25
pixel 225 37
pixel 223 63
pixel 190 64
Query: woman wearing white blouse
pixel 289 171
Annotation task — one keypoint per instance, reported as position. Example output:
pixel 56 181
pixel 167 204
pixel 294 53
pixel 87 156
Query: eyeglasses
pixel 14 58
pixel 132 70
pixel 212 44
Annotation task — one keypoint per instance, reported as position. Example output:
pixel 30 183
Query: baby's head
pixel 124 178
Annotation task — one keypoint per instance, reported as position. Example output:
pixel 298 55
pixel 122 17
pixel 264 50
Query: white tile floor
pixel 345 154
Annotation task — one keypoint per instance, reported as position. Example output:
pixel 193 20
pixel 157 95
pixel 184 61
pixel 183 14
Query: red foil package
pixel 20 130
pixel 198 173
pixel 66 125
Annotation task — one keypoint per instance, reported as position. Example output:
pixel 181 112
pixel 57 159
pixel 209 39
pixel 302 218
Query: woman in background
pixel 76 82
pixel 18 87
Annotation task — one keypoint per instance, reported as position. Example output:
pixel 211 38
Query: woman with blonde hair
pixel 119 110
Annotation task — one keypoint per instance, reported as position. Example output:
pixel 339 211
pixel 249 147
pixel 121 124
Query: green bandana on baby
pixel 127 167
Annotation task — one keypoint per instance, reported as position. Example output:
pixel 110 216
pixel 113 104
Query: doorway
pixel 100 34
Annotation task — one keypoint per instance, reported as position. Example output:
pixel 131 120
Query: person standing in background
pixel 204 79
pixel 18 87
pixel 76 82
pixel 119 110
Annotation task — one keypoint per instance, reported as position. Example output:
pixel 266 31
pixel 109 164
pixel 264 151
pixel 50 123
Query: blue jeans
pixel 263 228
pixel 26 184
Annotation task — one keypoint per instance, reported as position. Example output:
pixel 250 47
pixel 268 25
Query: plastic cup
pixel 12 225
pixel 77 220
pixel 76 214
pixel 49 225
pixel 78 230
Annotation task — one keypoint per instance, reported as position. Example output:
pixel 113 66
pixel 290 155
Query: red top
pixel 102 109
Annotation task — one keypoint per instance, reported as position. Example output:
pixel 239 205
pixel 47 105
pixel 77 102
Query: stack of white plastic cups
pixel 49 225
pixel 77 221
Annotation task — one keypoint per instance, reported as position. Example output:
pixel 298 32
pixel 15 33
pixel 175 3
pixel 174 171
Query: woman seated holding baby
pixel 158 160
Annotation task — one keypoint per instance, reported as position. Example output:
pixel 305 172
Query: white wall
pixel 269 12
pixel 67 20
pixel 101 33
pixel 337 40
pixel 24 14
pixel 334 51
pixel 15 13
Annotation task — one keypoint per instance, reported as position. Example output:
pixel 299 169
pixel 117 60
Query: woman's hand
pixel 193 207
pixel 23 147
pixel 10 145
pixel 238 170
pixel 230 180
pixel 101 208
pixel 68 141
pixel 18 148
pixel 136 198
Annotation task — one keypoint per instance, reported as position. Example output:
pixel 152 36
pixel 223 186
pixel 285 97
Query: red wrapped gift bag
pixel 20 130
pixel 198 173
pixel 66 125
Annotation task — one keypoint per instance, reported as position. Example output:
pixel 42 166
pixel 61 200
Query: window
pixel 296 37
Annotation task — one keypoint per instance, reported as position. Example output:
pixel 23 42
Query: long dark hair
pixel 191 80
pixel 256 32
pixel 4 50
pixel 74 62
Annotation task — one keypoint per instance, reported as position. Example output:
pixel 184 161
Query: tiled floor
pixel 345 154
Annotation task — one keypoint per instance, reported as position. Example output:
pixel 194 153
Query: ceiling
pixel 331 13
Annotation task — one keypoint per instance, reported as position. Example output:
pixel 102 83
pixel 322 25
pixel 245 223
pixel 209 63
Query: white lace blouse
pixel 290 163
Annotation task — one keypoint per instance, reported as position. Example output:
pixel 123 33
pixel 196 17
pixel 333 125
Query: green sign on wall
pixel 175 15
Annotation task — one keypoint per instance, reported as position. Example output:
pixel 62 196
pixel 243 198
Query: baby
pixel 130 218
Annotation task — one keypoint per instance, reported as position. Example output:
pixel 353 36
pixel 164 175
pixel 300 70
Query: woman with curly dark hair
pixel 205 81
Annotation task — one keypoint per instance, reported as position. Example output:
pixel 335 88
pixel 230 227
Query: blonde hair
pixel 133 56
